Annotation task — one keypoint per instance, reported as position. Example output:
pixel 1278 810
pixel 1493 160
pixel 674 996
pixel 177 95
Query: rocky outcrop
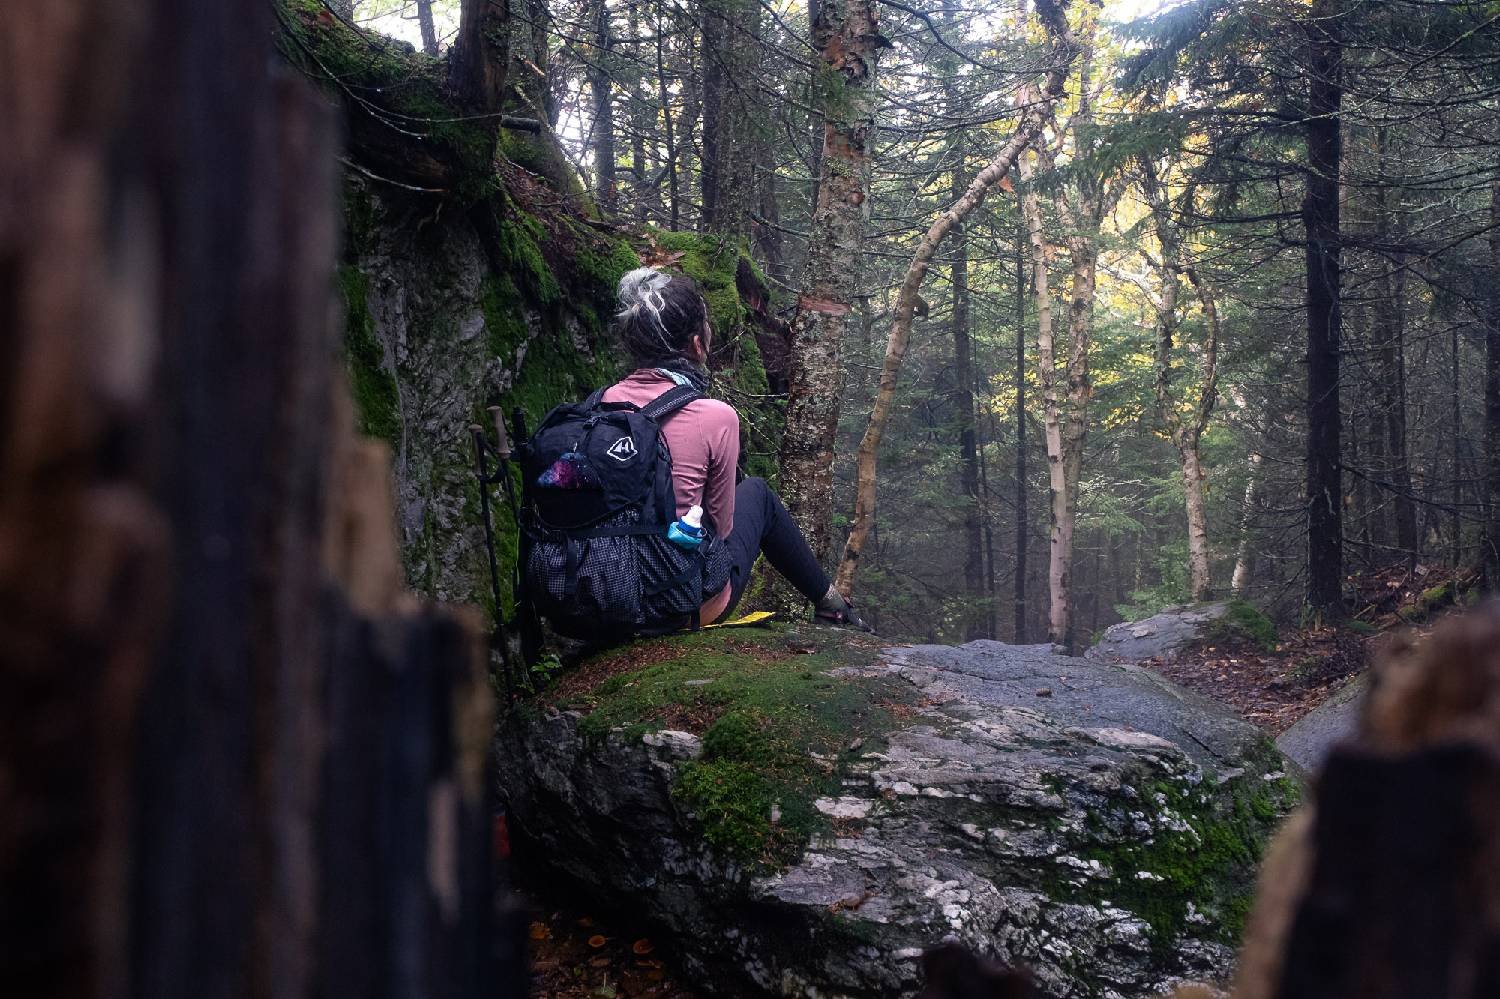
pixel 475 274
pixel 1161 636
pixel 1313 737
pixel 1088 820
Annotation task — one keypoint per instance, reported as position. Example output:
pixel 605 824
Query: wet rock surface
pixel 1103 833
pixel 1309 741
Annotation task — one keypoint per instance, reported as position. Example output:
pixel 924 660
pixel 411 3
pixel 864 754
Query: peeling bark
pixel 847 35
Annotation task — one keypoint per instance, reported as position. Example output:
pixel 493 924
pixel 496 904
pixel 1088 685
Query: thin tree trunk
pixel 601 83
pixel 1032 119
pixel 847 36
pixel 1023 528
pixel 1060 537
pixel 816 121
pixel 1457 430
pixel 664 100
pixel 963 408
pixel 1392 327
pixel 987 519
pixel 1325 548
pixel 1491 553
pixel 427 27
pixel 642 190
pixel 715 151
pixel 1244 563
pixel 1185 436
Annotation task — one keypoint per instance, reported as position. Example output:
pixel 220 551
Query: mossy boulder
pixel 804 811
pixel 1174 630
pixel 448 313
pixel 475 274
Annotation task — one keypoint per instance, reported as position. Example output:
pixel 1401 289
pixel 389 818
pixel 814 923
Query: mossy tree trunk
pixel 481 52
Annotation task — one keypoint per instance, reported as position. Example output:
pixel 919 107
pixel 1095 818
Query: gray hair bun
pixel 642 289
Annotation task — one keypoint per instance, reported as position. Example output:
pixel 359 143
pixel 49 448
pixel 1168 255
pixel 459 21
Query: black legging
pixel 762 526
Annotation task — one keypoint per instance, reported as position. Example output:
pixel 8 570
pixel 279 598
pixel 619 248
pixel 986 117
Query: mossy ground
pixel 777 729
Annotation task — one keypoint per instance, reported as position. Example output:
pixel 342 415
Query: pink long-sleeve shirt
pixel 704 438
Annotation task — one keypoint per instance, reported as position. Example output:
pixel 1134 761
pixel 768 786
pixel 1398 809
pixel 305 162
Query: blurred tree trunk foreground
pixel 237 758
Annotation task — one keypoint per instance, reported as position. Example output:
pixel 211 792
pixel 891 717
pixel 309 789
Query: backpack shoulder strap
pixel 670 402
pixel 593 401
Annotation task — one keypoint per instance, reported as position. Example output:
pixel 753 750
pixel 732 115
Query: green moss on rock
pixel 376 398
pixel 776 726
pixel 1189 862
pixel 1242 624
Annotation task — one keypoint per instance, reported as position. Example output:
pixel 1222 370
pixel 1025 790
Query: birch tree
pixel 1186 434
pixel 1034 106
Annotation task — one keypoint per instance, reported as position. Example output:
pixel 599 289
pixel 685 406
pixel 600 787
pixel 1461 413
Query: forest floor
pixel 579 953
pixel 1274 687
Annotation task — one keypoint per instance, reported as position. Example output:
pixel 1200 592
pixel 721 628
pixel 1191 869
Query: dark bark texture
pixel 1325 565
pixel 237 759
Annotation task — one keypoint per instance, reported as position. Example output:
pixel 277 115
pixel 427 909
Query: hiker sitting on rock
pixel 596 521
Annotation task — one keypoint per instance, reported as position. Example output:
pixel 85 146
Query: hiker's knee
pixel 752 488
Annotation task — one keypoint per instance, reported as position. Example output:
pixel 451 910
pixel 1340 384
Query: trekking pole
pixel 525 615
pixel 481 468
pixel 530 625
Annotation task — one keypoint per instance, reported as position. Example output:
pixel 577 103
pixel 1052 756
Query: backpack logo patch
pixel 622 450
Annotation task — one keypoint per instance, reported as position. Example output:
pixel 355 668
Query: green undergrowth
pixel 1204 852
pixel 1242 625
pixel 778 731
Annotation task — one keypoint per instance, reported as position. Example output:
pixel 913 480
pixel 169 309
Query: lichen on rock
pixel 806 812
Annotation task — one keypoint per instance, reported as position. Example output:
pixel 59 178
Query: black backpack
pixel 597 498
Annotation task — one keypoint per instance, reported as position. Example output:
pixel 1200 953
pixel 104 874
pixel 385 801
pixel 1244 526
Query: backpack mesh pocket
pixel 606 582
